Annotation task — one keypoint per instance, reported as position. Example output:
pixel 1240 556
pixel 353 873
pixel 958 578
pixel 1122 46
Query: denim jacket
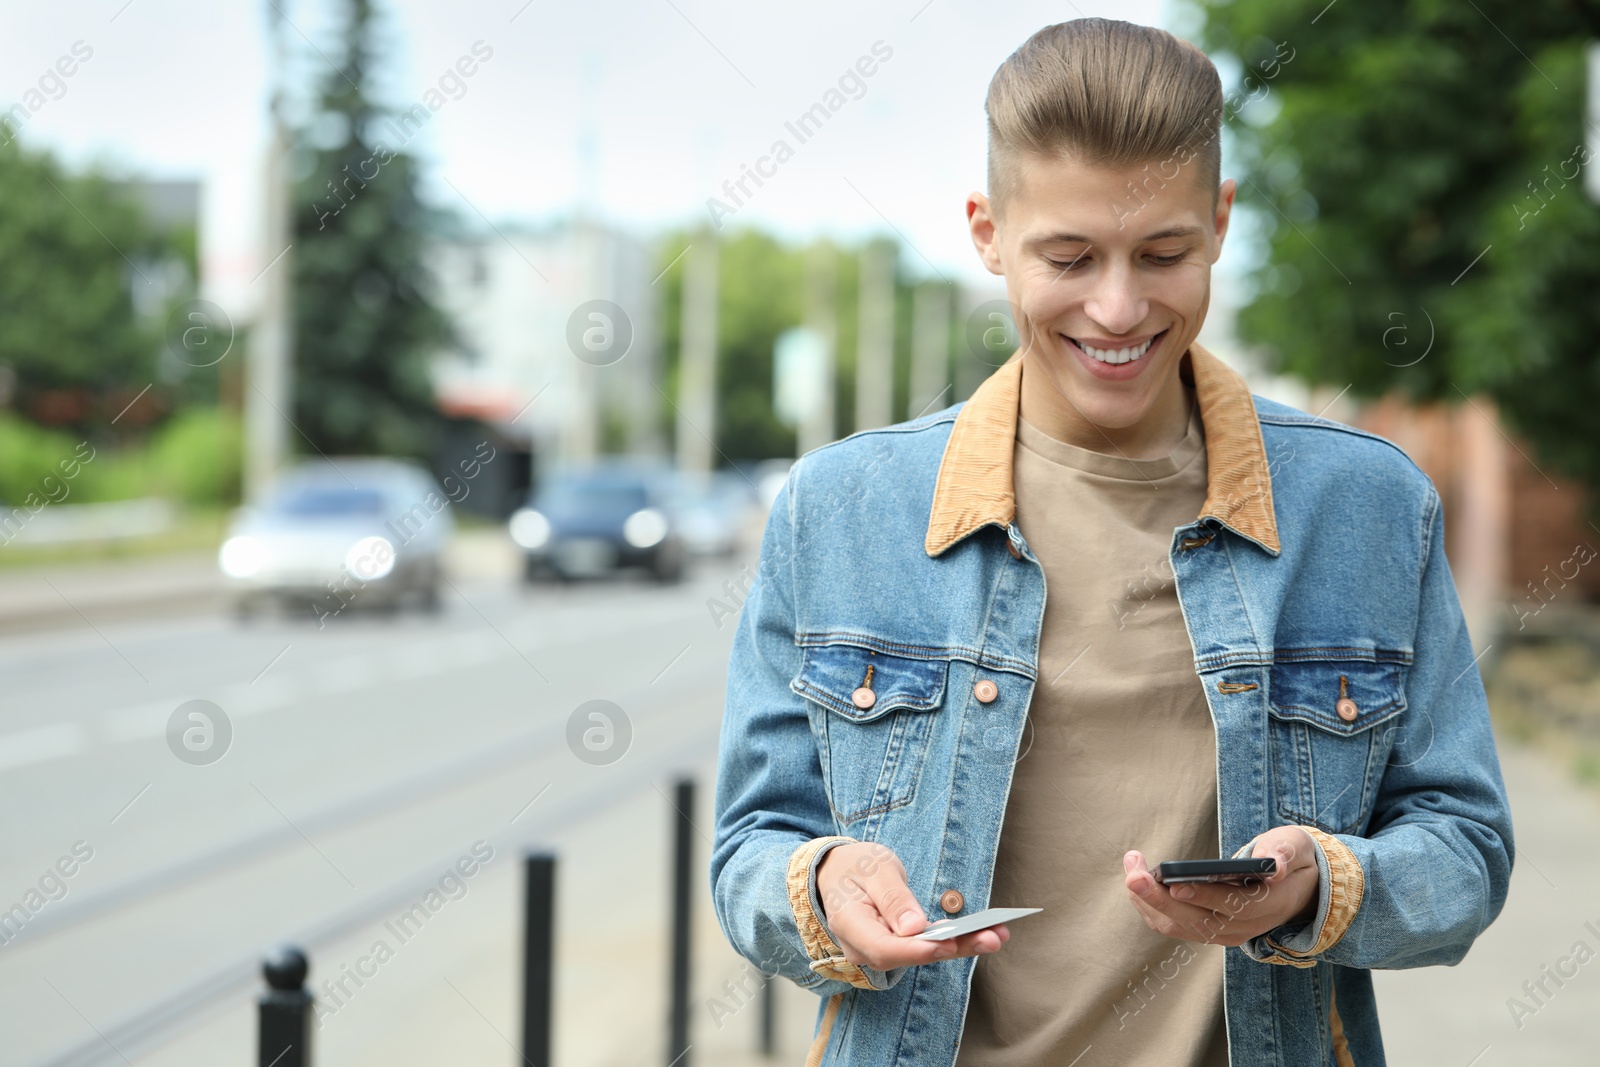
pixel 1327 635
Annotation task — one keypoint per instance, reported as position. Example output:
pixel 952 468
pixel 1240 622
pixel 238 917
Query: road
pixel 370 756
pixel 367 758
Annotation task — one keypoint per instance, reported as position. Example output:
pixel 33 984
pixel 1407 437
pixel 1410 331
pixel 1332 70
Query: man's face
pixel 1109 288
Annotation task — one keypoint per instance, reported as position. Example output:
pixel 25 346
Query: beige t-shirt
pixel 1119 752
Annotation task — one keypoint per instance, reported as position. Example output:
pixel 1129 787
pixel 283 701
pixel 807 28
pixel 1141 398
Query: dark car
pixel 590 522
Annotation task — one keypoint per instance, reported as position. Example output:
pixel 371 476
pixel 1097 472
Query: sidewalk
pixel 57 595
pixel 1469 1013
pixel 452 995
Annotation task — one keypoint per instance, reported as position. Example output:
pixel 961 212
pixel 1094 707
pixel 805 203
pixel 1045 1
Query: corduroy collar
pixel 975 484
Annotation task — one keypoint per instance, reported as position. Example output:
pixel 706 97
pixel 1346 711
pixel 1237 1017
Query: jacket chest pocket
pixel 873 723
pixel 1331 725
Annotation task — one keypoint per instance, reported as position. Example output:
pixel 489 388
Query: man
pixel 1251 646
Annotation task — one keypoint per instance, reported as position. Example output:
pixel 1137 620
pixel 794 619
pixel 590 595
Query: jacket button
pixel 863 698
pixel 1347 709
pixel 1011 546
pixel 985 691
pixel 951 901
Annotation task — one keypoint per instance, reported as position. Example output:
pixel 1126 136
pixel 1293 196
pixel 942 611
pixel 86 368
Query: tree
pixel 365 326
pixel 1418 169
pixel 71 251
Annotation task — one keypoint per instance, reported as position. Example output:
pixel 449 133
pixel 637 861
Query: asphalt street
pixel 366 759
pixel 370 757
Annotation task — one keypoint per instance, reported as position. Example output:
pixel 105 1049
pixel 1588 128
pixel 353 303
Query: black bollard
pixel 682 882
pixel 285 1011
pixel 768 1016
pixel 538 949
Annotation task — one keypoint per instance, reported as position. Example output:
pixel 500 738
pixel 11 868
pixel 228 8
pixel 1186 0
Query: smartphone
pixel 1234 872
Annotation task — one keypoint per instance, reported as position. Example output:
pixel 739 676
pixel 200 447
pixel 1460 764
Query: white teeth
pixel 1116 355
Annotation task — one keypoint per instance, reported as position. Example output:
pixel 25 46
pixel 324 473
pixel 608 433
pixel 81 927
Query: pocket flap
pixel 1309 690
pixel 831 674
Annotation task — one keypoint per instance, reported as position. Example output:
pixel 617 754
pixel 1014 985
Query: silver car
pixel 338 535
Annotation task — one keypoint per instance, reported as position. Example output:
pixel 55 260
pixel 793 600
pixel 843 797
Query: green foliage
pixel 195 457
pixel 1398 145
pixel 762 293
pixel 365 328
pixel 67 320
pixel 760 288
pixel 28 454
pixel 198 456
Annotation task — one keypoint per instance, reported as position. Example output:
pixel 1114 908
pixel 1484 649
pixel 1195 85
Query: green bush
pixel 195 457
pixel 198 456
pixel 29 454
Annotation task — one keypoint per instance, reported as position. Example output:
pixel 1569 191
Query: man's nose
pixel 1116 304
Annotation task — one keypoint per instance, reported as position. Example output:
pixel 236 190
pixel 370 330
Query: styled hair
pixel 1107 92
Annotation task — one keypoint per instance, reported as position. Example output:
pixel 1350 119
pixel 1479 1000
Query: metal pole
pixel 269 375
pixel 930 349
pixel 697 358
pixel 682 881
pixel 875 338
pixel 285 1011
pixel 821 317
pixel 537 953
pixel 769 1014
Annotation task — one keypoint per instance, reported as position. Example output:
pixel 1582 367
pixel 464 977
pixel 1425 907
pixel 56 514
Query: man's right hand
pixel 871 913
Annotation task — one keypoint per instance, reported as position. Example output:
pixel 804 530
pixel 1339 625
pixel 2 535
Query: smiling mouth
pixel 1115 356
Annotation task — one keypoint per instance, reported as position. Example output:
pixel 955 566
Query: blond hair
pixel 1110 93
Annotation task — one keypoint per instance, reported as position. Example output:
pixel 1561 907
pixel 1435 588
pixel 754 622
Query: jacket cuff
pixel 1341 884
pixel 827 958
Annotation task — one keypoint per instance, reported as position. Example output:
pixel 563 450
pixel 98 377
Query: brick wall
pixel 1506 523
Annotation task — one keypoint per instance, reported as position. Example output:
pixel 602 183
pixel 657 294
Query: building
pixel 537 358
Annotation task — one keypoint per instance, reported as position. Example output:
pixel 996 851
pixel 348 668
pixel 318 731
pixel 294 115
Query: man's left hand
pixel 1223 914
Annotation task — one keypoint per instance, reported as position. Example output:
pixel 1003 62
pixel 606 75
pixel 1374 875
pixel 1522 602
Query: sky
pixel 639 111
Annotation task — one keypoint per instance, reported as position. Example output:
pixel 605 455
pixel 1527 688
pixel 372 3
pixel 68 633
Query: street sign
pixel 799 374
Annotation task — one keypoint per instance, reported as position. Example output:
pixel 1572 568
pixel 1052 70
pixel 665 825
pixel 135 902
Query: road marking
pixel 45 743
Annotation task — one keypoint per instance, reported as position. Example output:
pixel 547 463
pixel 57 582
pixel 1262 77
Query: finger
pixel 1175 910
pixel 886 890
pixel 1190 925
pixel 866 940
pixel 1166 915
pixel 982 942
pixel 1290 845
pixel 1232 900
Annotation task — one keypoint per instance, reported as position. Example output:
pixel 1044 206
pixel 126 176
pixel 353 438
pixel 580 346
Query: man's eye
pixel 1167 261
pixel 1070 264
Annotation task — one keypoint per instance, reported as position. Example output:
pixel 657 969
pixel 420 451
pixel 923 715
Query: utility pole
pixel 697 368
pixel 269 392
pixel 822 281
pixel 930 349
pixel 875 338
pixel 1591 126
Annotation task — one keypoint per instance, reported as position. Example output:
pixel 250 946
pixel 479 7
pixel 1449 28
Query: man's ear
pixel 1225 195
pixel 985 232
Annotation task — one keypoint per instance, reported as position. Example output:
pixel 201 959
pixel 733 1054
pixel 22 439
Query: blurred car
pixel 593 521
pixel 360 532
pixel 713 511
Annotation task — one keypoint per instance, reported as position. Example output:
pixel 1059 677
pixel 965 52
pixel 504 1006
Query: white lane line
pixel 44 743
pixel 280 692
